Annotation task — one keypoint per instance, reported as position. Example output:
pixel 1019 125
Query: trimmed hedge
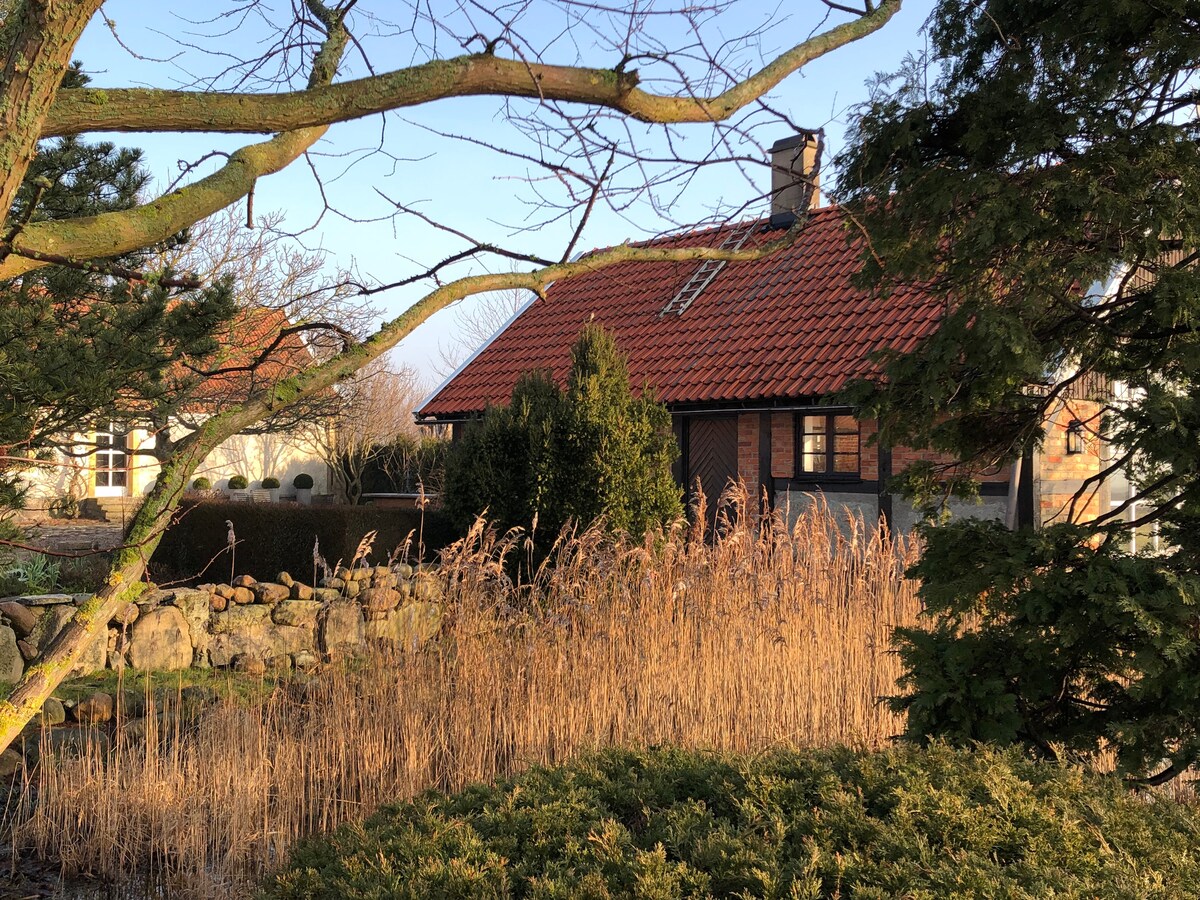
pixel 275 537
pixel 815 824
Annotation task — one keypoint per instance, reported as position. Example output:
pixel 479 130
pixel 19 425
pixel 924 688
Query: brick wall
pixel 1056 474
pixel 868 451
pixel 1059 474
pixel 902 457
pixel 783 447
pixel 748 434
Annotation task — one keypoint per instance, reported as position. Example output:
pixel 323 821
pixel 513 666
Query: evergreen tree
pixel 501 465
pixel 1042 171
pixel 77 343
pixel 613 451
pixel 591 451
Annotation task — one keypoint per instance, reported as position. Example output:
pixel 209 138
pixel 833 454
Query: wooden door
pixel 711 458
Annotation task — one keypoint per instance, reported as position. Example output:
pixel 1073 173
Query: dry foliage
pixel 768 637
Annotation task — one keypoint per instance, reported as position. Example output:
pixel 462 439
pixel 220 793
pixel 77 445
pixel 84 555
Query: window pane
pixel 814 444
pixel 101 479
pixel 845 463
pixel 846 443
pixel 814 424
pixel 813 462
pixel 118 478
pixel 845 425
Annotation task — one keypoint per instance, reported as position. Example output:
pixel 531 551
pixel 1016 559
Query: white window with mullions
pixel 828 446
pixel 111 460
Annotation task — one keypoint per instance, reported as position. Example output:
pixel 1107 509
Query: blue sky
pixel 463 185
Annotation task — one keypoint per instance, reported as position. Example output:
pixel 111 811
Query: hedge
pixel 813 824
pixel 275 537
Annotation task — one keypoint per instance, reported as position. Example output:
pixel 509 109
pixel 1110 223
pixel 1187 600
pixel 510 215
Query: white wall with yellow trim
pixel 255 456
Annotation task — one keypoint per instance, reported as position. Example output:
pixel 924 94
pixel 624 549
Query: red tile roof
pixel 253 356
pixel 787 327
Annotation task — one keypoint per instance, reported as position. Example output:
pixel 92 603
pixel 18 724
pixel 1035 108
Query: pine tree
pixel 77 343
pixel 613 451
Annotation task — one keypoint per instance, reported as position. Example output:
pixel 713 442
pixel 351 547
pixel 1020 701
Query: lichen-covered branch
pixel 299 118
pixel 115 233
pixel 139 109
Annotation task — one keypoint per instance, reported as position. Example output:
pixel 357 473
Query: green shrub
pixel 502 464
pixel 276 537
pixel 303 482
pixel 238 483
pixel 35 573
pixel 83 574
pixel 1045 639
pixel 201 484
pixel 592 450
pixel 65 506
pixel 815 824
pixel 270 483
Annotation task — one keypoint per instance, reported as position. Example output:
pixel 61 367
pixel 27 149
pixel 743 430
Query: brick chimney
pixel 795 176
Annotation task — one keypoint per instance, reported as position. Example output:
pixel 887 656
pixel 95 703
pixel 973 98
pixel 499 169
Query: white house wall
pixel 259 456
pixel 283 456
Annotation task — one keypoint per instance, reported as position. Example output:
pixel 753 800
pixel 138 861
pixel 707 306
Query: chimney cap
pixel 796 140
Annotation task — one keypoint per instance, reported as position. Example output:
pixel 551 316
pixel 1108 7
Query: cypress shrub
pixel 591 450
pixel 276 537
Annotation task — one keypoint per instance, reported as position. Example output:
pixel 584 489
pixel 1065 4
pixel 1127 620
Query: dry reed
pixel 768 636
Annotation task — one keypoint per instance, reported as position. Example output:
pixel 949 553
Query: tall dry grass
pixel 770 636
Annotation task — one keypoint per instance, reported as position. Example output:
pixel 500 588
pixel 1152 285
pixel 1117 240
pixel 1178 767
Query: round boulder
pixel 94 708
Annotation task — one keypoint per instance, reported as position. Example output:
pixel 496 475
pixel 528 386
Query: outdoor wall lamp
pixel 1075 436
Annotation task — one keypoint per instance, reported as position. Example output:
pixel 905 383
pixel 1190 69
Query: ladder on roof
pixel 708 270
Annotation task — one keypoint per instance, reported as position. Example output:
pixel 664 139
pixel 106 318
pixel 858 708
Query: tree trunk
pixel 124 584
pixel 39 37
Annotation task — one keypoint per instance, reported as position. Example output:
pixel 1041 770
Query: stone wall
pixel 250 625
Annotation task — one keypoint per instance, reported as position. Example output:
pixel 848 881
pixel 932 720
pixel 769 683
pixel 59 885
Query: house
pixel 108 470
pixel 747 357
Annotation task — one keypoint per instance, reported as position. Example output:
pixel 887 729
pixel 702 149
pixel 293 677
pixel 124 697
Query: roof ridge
pixel 704 231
